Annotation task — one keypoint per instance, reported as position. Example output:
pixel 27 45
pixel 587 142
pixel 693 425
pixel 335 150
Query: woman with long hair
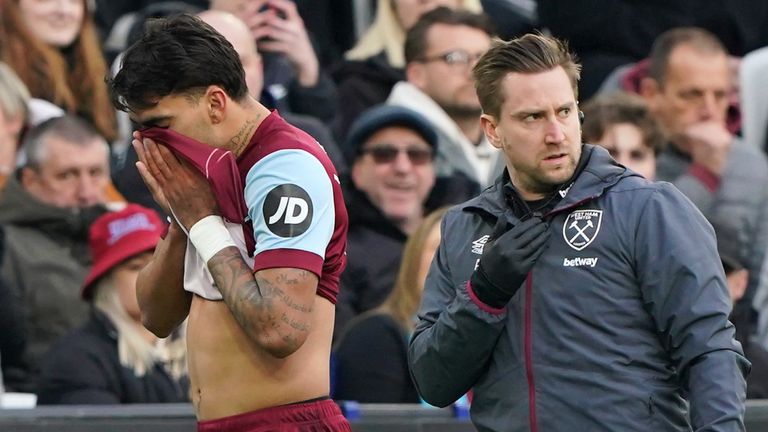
pixel 371 362
pixel 54 48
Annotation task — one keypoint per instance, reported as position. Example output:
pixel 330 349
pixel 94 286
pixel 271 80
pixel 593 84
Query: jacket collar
pixel 596 172
pixel 18 207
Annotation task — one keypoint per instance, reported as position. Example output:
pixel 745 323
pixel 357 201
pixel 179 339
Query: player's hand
pixel 507 260
pixel 709 143
pixel 146 176
pixel 187 192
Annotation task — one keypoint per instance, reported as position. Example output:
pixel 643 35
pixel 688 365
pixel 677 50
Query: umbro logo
pixel 479 244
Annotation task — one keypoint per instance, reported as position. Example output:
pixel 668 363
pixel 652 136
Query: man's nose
pixel 89 191
pixel 554 132
pixel 402 161
pixel 709 107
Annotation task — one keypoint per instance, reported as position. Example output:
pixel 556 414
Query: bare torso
pixel 230 375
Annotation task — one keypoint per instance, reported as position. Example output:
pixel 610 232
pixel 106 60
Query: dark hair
pixel 179 55
pixel 528 54
pixel 702 41
pixel 69 128
pixel 416 38
pixel 604 111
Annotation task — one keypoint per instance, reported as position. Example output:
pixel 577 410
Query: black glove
pixel 506 261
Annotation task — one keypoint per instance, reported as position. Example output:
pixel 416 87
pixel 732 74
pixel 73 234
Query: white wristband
pixel 209 235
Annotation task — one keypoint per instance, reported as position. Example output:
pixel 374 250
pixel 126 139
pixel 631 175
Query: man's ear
pixel 355 173
pixel 29 178
pixel 737 283
pixel 488 123
pixel 217 103
pixel 416 74
pixel 649 89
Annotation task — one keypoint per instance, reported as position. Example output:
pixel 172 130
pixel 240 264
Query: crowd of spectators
pixel 394 106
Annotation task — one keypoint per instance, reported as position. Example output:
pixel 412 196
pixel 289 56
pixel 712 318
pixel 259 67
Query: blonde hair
pixel 72 79
pixel 404 300
pixel 134 351
pixel 14 94
pixel 387 35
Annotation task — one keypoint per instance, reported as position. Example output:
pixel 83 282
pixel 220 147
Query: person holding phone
pixel 293 78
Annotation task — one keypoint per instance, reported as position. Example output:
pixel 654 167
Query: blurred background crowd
pixel 673 89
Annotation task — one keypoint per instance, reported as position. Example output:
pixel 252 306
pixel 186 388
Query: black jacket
pixel 634 25
pixel 361 85
pixel 374 249
pixel 288 95
pixel 372 362
pixel 757 381
pixel 84 368
pixel 12 335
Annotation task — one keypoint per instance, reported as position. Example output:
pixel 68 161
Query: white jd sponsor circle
pixel 581 228
pixel 288 210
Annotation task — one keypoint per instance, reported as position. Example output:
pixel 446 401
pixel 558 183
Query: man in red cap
pixel 112 358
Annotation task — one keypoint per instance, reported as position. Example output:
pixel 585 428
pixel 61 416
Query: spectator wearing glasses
pixel 440 50
pixel 377 61
pixel 392 150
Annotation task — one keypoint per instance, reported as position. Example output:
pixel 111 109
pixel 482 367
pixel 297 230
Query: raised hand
pixel 709 143
pixel 186 192
pixel 146 176
pixel 507 260
pixel 280 29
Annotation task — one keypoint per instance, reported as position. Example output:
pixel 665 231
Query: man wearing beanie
pixel 391 152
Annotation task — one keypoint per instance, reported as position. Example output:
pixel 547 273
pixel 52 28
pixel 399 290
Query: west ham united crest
pixel 581 228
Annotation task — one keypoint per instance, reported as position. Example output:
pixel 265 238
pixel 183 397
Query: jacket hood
pixel 18 207
pixel 596 172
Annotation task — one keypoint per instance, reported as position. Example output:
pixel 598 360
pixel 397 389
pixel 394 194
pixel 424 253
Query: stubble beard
pixel 543 182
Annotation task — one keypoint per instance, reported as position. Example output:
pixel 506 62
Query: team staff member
pixel 573 294
pixel 254 266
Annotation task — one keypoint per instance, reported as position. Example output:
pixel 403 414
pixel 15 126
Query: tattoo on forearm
pixel 238 142
pixel 253 300
pixel 295 306
pixel 293 323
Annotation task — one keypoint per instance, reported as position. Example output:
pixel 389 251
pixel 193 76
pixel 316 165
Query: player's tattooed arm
pixel 273 306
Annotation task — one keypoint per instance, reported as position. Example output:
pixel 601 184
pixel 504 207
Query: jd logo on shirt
pixel 288 210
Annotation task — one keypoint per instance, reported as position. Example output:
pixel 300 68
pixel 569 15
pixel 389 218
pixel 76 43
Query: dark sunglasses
pixel 383 154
